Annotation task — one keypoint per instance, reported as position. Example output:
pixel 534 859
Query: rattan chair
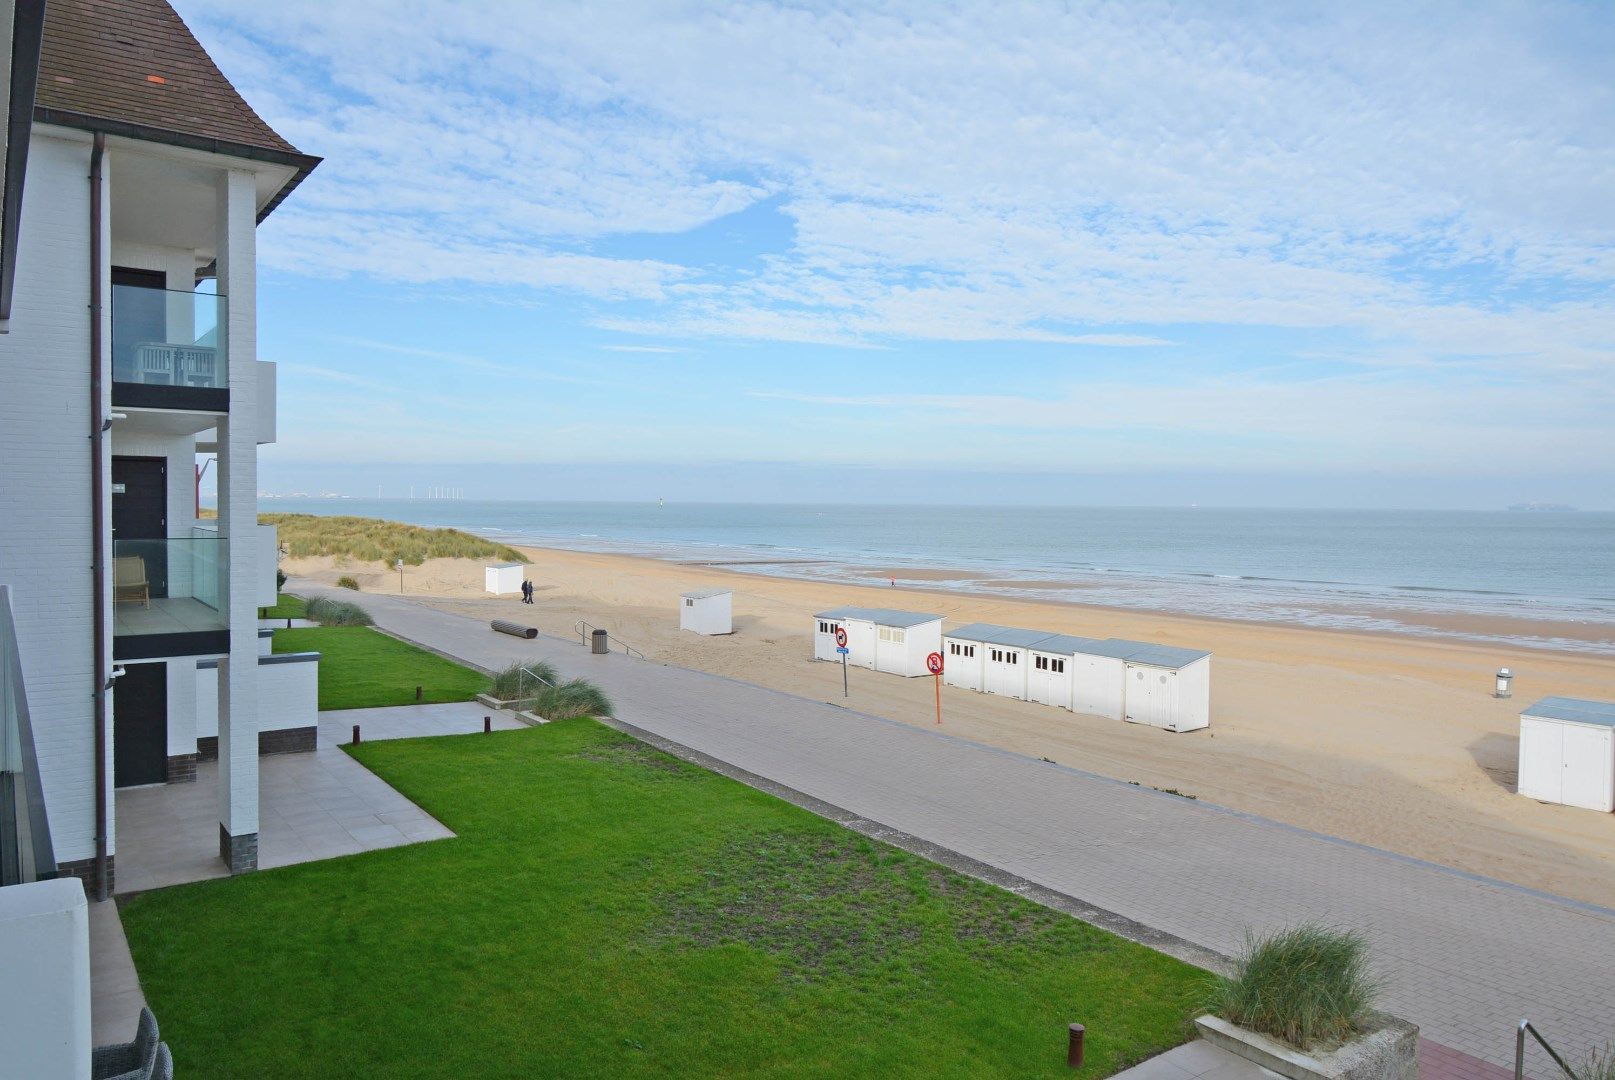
pixel 129 584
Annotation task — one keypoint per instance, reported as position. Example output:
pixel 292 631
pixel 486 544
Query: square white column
pixel 238 521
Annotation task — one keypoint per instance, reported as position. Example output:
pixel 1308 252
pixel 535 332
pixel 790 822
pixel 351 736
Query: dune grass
pixel 516 681
pixel 328 612
pixel 1307 985
pixel 361 668
pixel 608 911
pixel 376 540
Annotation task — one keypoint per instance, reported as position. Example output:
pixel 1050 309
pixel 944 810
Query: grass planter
pixel 1388 1049
pixel 1300 1003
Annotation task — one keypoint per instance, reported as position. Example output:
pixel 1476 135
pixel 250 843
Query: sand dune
pixel 1386 740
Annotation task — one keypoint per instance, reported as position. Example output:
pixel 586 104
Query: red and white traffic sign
pixel 933 663
pixel 841 636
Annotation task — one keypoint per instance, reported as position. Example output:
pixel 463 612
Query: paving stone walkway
pixel 1465 957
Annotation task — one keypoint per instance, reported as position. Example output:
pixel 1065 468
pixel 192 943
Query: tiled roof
pixel 135 62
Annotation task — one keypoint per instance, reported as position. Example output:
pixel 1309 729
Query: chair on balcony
pixel 129 584
pixel 130 1061
pixel 154 363
pixel 201 366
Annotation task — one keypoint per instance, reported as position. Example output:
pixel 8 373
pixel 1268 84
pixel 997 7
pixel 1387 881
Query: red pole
pixel 938 679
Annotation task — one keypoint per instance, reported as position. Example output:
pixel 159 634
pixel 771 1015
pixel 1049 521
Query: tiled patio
pixel 311 806
pixel 165 615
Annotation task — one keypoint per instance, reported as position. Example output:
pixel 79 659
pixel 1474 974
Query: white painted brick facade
pixel 288 697
pixel 45 550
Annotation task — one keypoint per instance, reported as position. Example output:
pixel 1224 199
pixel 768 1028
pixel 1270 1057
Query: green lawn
pixel 286 606
pixel 608 911
pixel 361 668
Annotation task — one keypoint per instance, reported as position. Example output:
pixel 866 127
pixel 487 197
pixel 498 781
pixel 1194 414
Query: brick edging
pixel 1120 925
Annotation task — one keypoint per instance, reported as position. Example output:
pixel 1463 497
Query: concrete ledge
pixel 1389 1050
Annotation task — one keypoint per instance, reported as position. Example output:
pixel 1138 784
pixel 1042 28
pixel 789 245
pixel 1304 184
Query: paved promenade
pixel 1465 957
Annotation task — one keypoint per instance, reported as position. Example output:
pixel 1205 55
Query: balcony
pixel 168 350
pixel 167 597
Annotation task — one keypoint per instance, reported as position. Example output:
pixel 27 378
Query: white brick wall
pixel 45 551
pixel 288 697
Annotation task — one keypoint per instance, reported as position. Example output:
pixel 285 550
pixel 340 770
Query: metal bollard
pixel 487 725
pixel 1073 1052
pixel 355 734
pixel 417 695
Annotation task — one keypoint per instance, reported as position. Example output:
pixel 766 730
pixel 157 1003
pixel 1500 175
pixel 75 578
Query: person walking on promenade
pixel 527 591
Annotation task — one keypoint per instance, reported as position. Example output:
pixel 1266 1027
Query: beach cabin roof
pixel 704 594
pixel 1600 713
pixel 993 634
pixel 1066 644
pixel 1144 652
pixel 880 616
pixel 504 565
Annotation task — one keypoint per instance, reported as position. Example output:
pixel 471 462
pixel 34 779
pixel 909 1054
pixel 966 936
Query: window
pixel 893 635
pixel 1042 663
pixel 1012 658
pixel 688 602
pixel 1058 666
pixel 953 647
pixel 826 627
pixel 970 650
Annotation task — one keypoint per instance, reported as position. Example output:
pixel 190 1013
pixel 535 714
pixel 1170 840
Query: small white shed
pixel 1003 656
pixel 707 611
pixel 503 579
pixel 896 642
pixel 1567 753
pixel 1166 687
pixel 961 660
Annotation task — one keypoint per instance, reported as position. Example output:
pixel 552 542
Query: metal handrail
pixel 583 629
pixel 1519 1051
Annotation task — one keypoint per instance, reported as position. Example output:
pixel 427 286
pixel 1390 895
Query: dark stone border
pixel 182 768
pixel 240 853
pixel 161 646
pixel 297 740
pixel 84 870
pixel 188 398
pixel 1120 925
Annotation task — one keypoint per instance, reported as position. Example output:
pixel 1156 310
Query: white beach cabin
pixel 895 642
pixel 1002 654
pixel 1049 679
pixel 1567 753
pixel 1166 687
pixel 503 579
pixel 961 660
pixel 707 611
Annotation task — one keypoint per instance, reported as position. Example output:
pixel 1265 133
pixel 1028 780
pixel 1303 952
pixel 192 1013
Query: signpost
pixel 841 647
pixel 933 664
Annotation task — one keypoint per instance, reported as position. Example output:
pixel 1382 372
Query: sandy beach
pixel 1387 740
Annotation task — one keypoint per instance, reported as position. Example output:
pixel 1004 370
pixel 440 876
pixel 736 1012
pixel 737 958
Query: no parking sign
pixel 841 637
pixel 933 664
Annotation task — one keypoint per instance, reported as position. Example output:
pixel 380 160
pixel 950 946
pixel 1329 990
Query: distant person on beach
pixel 527 591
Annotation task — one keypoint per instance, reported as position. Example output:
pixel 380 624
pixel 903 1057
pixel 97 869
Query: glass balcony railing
pixel 25 844
pixel 163 338
pixel 168 587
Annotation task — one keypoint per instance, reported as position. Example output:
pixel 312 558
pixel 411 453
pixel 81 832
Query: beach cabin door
pixel 1587 773
pixel 1004 671
pixel 1048 680
pixel 1097 685
pixel 1151 696
pixel 861 640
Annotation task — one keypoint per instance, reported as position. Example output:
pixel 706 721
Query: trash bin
pixel 600 645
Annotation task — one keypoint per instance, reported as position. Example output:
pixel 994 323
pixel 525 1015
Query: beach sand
pixel 1388 740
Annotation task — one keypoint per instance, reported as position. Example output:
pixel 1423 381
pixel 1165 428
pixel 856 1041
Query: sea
pixel 1501 576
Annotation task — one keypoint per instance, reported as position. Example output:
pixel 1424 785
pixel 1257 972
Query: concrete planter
pixel 531 719
pixel 1388 1050
pixel 494 703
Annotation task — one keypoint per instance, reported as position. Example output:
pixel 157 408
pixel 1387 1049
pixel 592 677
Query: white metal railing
pixel 583 630
pixel 26 853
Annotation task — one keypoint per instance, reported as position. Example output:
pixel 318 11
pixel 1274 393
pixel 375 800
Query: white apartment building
pixel 135 178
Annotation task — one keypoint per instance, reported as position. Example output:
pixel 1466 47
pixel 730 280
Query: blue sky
pixel 1349 255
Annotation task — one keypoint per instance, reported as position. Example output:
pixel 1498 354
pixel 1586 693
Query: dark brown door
pixel 140 726
pixel 140 516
